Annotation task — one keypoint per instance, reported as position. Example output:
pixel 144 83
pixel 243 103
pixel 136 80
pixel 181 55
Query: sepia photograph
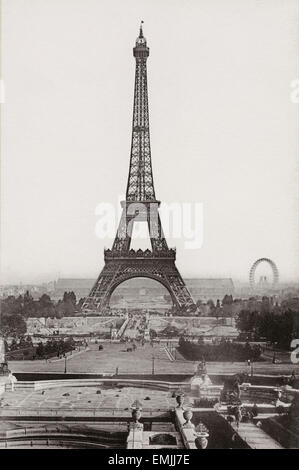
pixel 149 290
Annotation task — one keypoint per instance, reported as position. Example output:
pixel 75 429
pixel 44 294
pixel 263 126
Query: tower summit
pixel 140 181
pixel 121 262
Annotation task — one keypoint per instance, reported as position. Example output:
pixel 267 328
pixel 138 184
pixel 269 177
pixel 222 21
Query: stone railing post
pixel 188 432
pixel 135 436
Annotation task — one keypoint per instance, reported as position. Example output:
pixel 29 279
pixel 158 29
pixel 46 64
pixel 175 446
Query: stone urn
pixel 201 434
pixel 188 416
pixel 201 441
pixel 4 370
pixel 136 414
pixel 180 399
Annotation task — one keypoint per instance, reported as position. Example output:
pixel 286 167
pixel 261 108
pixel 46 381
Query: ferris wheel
pixel 271 264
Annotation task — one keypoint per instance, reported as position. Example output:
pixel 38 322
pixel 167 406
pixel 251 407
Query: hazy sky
pixel 224 131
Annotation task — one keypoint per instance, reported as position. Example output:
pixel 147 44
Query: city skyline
pixel 218 117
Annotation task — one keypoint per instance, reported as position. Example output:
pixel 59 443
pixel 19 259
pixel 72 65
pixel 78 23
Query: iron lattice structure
pixel 121 262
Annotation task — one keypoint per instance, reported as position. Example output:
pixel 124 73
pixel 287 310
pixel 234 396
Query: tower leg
pixel 120 270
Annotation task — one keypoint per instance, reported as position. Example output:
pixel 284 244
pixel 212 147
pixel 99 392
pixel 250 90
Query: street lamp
pixel 153 365
pixel 65 363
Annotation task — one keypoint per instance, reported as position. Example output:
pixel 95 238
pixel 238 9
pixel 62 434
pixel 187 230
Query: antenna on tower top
pixel 141 32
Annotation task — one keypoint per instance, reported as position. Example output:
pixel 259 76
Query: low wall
pixel 31 376
pixel 115 382
pixel 217 379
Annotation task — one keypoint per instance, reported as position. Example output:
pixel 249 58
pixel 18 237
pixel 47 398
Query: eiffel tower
pixel 121 262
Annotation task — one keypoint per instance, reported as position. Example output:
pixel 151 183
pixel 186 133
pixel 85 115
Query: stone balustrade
pixel 47 384
pixel 249 393
pixel 135 439
pixel 187 434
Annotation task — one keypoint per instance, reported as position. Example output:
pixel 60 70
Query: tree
pixel 211 304
pixel 265 308
pixel 246 320
pixel 70 297
pixel 12 305
pixel 22 343
pixel 277 328
pixel 224 351
pixel 65 308
pixel 40 350
pixel 45 306
pixel 227 300
pixel 29 305
pixel 14 345
pixel 13 325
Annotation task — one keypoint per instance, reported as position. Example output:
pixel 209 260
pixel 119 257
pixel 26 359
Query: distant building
pixel 35 290
pixel 210 288
pixel 201 289
pixel 81 287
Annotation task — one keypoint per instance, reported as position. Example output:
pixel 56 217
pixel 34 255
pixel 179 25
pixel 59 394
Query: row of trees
pixel 224 351
pixel 278 329
pixel 22 342
pixel 54 348
pixel 14 310
pixel 12 325
pixel 27 306
pixel 23 348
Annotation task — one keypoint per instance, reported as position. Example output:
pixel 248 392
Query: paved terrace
pixel 110 406
pixel 114 355
pixel 84 401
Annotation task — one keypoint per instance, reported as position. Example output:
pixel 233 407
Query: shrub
pixel 224 351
